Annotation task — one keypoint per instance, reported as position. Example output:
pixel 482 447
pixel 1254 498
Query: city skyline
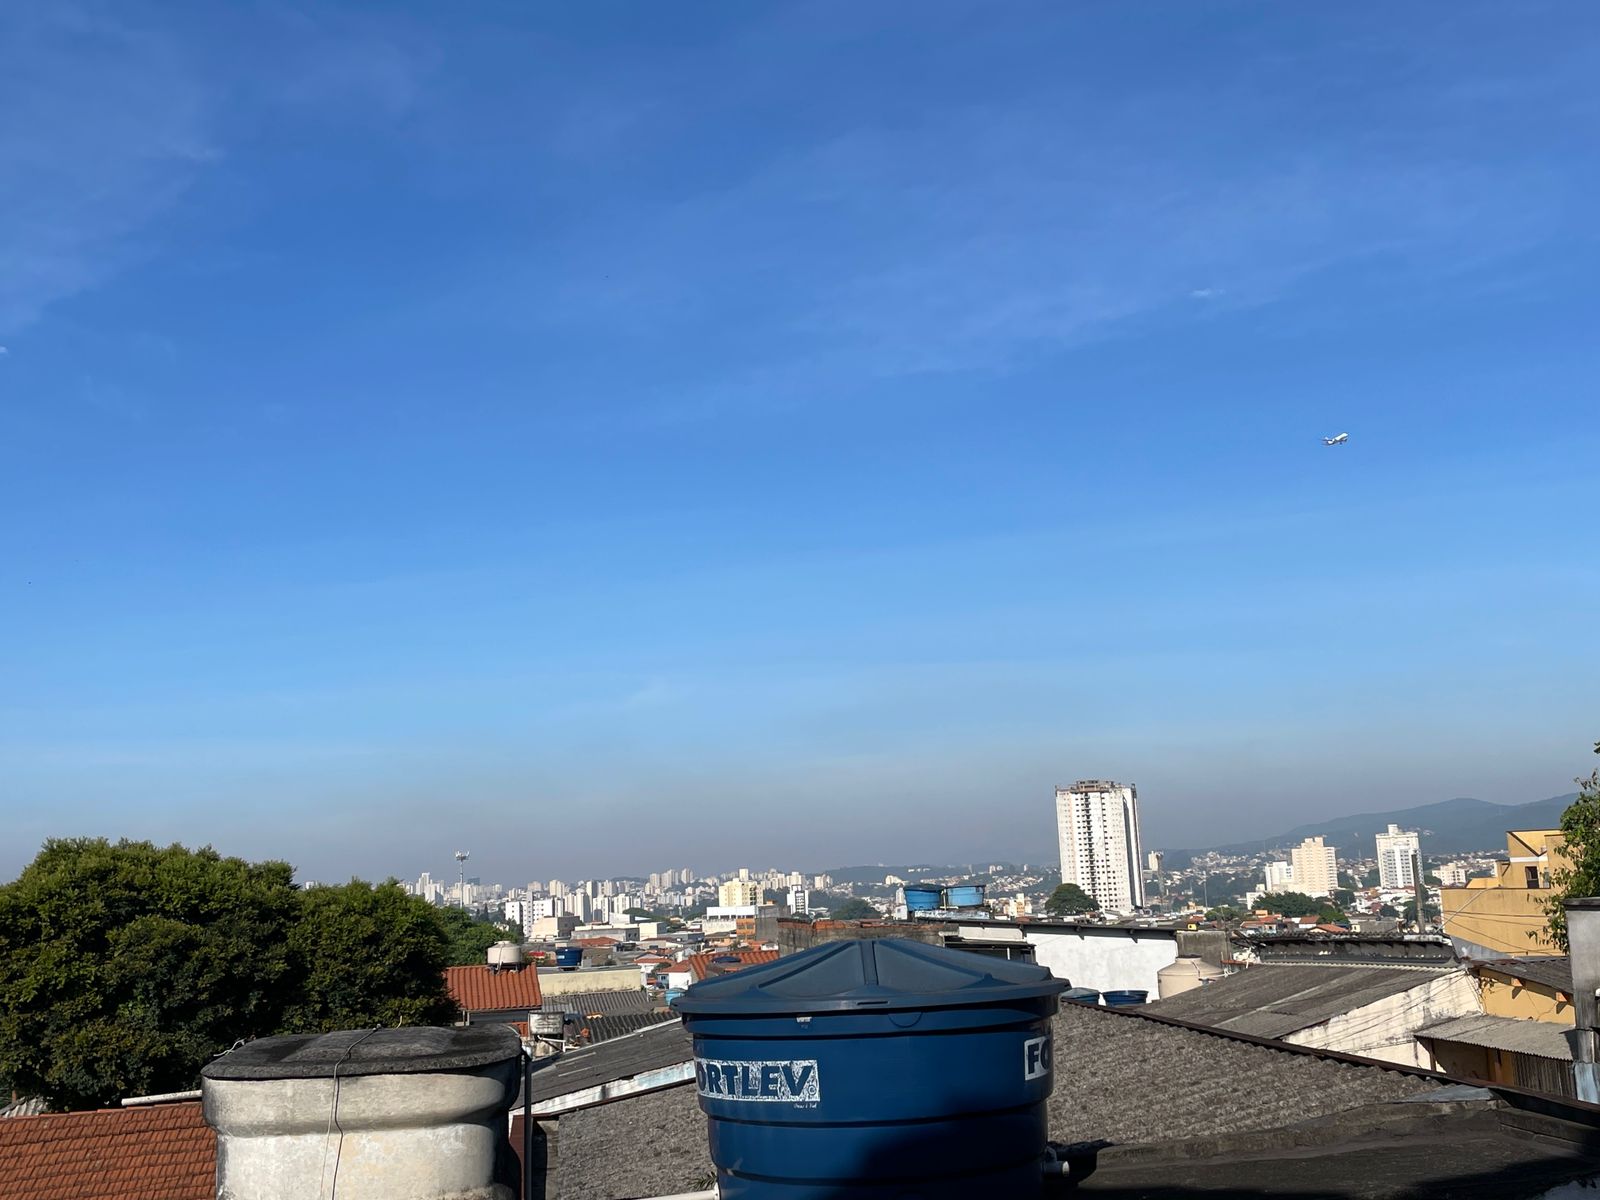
pixel 538 860
pixel 584 428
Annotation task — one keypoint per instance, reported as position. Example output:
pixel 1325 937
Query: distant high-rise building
pixel 1098 825
pixel 799 901
pixel 1454 874
pixel 1396 849
pixel 1153 861
pixel 1316 868
pixel 744 873
pixel 738 893
pixel 1279 877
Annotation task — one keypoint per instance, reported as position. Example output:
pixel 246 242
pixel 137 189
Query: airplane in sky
pixel 1338 439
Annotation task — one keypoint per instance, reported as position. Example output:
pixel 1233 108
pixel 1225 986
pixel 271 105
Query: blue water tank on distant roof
pixel 966 895
pixel 1079 995
pixel 922 899
pixel 1127 998
pixel 875 1070
pixel 569 958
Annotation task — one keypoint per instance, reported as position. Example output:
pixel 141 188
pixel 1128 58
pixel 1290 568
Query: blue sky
pixel 618 436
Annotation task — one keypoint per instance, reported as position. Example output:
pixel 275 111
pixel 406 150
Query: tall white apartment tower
pixel 1395 851
pixel 1098 824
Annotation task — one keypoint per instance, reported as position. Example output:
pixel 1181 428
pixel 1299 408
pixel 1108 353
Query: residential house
pixel 1505 915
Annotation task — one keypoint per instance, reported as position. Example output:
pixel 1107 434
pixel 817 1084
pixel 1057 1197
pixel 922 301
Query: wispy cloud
pixel 109 123
pixel 105 128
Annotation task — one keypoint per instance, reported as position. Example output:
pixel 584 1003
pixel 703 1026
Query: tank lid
pixel 867 975
pixel 407 1051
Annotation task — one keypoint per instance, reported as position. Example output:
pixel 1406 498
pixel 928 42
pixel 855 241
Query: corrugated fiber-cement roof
pixel 1119 1077
pixel 1553 971
pixel 612 1003
pixel 1128 1079
pixel 1521 1035
pixel 476 988
pixel 1272 1000
pixel 160 1152
pixel 650 1049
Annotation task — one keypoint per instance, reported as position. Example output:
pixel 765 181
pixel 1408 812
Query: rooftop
pixel 1552 970
pixel 1272 1000
pixel 476 988
pixel 705 965
pixel 162 1152
pixel 1157 1108
pixel 1519 1035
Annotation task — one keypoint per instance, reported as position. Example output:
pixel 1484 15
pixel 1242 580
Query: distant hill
pixel 1448 827
pixel 916 873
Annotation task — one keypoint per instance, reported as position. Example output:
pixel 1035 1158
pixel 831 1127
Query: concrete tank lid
pixel 407 1051
pixel 868 975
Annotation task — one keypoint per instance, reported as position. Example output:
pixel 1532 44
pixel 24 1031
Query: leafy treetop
pixel 854 910
pixel 125 967
pixel 1580 830
pixel 1069 900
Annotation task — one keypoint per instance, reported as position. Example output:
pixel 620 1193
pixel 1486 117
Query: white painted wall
pixel 1386 1028
pixel 1107 959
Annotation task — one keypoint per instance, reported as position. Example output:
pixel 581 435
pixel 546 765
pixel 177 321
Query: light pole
pixel 461 860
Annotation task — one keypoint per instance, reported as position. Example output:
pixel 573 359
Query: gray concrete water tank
pixel 377 1114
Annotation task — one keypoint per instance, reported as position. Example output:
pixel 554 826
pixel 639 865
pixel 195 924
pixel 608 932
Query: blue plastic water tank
pixel 569 958
pixel 1126 999
pixel 922 899
pixel 1081 995
pixel 875 1070
pixel 966 895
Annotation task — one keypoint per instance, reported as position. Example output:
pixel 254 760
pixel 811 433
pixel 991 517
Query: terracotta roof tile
pixel 476 988
pixel 163 1152
pixel 700 964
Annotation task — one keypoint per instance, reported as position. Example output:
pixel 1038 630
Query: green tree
pixel 469 937
pixel 855 910
pixel 1069 900
pixel 1580 829
pixel 1332 914
pixel 368 955
pixel 124 967
pixel 1343 897
pixel 1290 904
pixel 1225 913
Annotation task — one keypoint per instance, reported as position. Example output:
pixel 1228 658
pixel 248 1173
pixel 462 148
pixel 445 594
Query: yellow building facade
pixel 1505 915
pixel 1512 990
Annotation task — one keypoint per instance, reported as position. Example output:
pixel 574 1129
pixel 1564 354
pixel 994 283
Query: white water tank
pixel 1184 974
pixel 506 956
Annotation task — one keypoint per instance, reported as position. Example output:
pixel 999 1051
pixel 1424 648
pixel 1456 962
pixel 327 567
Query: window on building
pixel 1532 876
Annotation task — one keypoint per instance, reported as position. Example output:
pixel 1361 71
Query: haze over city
pixel 613 438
